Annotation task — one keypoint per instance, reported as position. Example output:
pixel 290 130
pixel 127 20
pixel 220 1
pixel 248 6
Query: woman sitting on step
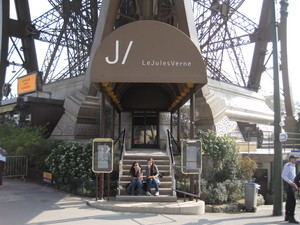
pixel 151 173
pixel 136 178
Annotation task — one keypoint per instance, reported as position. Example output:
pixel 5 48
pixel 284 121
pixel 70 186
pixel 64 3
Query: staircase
pixel 163 163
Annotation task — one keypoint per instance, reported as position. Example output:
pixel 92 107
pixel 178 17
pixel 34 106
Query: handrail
pixel 170 147
pixel 188 194
pixel 121 141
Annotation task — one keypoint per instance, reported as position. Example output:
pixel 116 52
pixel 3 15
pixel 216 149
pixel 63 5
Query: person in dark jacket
pixel 2 163
pixel 136 178
pixel 151 174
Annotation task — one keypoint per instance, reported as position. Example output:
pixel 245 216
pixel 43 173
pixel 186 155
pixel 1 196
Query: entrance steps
pixel 163 163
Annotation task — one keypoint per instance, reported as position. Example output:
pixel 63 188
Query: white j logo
pixel 117 54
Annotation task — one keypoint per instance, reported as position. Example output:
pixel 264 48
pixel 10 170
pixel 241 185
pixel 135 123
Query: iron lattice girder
pixel 73 30
pixel 217 23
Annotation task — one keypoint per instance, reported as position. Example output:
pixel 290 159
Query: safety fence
pixel 16 166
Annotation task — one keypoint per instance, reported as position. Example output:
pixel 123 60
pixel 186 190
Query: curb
pixel 181 208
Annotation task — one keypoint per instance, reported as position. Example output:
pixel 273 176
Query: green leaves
pixel 222 151
pixel 71 163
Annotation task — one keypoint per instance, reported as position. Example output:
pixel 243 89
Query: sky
pixel 250 8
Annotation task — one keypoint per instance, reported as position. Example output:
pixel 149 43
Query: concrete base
pixel 179 207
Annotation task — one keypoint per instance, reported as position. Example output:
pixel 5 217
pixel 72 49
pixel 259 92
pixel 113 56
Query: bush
pixel 26 141
pixel 71 165
pixel 221 150
pixel 222 192
pixel 248 167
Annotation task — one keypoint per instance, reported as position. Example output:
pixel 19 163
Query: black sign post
pixel 102 162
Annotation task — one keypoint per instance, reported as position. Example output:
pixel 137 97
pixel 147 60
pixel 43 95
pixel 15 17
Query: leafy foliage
pixel 224 155
pixel 248 167
pixel 70 163
pixel 26 141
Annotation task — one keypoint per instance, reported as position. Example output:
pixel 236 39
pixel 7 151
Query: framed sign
pixel 102 161
pixel 28 83
pixel 191 156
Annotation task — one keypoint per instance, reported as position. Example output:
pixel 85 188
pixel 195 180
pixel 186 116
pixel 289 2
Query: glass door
pixel 145 130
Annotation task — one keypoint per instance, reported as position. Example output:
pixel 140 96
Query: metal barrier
pixel 16 166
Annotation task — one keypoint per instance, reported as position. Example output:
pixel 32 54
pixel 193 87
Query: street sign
pixel 283 137
pixel 102 155
pixel 191 156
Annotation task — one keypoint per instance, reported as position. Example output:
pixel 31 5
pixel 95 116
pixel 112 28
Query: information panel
pixel 28 83
pixel 102 155
pixel 191 156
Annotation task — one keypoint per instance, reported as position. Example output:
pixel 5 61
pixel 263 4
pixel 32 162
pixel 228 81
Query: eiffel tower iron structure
pixel 68 28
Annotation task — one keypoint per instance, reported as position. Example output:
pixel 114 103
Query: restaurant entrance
pixel 145 129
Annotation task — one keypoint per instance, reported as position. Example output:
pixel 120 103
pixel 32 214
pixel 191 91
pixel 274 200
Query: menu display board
pixel 102 155
pixel 191 159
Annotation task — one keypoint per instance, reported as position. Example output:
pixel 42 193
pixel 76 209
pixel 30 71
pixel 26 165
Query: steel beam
pixel 261 38
pixel 290 121
pixel 4 17
pixel 23 13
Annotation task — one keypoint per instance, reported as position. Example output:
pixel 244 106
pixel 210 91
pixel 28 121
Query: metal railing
pixel 16 166
pixel 121 141
pixel 172 160
pixel 173 148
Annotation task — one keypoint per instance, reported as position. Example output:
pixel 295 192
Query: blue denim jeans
pixel 153 182
pixel 136 186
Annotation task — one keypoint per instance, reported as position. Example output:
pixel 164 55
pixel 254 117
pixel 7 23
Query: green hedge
pixel 71 163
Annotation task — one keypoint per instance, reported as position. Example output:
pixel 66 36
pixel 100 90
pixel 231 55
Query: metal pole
pixel 277 207
pixel 178 125
pixel 192 136
pixel 192 116
pixel 97 187
pixel 120 122
pixel 171 123
pixel 290 121
pixel 101 186
pixel 113 123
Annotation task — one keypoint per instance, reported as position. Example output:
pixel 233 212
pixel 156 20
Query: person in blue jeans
pixel 136 179
pixel 151 173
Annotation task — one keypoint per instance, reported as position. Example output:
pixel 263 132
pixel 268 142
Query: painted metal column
pixel 290 121
pixel 120 114
pixel 277 207
pixel 178 125
pixel 23 12
pixel 4 17
pixel 113 122
pixel 171 123
pixel 192 136
pixel 192 116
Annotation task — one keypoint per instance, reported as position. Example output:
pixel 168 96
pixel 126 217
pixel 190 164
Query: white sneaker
pixel 156 193
pixel 148 193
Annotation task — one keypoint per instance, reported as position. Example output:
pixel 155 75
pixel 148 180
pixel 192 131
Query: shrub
pixel 71 165
pixel 222 192
pixel 221 150
pixel 248 167
pixel 26 141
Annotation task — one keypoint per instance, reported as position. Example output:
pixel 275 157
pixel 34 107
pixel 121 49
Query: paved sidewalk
pixel 28 203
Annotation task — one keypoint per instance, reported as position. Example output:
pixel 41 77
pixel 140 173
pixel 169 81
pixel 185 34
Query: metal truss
pixel 222 31
pixel 69 26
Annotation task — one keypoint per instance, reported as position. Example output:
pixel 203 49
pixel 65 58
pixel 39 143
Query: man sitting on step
pixel 151 174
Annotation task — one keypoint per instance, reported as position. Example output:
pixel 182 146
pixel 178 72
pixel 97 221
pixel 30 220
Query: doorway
pixel 145 129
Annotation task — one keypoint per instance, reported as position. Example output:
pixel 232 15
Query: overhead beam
pixel 261 39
